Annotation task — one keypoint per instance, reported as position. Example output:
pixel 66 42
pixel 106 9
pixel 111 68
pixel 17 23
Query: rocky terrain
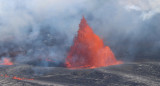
pixel 128 74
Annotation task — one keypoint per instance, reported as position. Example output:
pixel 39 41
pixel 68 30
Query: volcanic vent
pixel 88 50
pixel 5 61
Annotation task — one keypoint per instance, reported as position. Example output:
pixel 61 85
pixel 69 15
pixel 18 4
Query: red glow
pixel 88 50
pixel 5 61
pixel 49 60
pixel 18 78
pixel 15 77
pixel 6 75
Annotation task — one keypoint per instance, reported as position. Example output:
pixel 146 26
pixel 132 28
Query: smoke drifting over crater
pixel 38 29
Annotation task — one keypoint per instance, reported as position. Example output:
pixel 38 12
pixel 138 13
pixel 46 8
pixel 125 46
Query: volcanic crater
pixel 88 63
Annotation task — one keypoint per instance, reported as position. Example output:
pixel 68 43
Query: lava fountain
pixel 6 61
pixel 89 51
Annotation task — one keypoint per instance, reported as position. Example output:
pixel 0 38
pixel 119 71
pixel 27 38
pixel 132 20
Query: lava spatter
pixel 6 61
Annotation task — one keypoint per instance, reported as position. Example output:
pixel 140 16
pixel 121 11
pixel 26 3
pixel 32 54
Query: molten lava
pixel 5 61
pixel 88 50
pixel 15 77
pixel 18 78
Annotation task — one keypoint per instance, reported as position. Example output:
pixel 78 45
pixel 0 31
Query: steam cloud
pixel 149 8
pixel 45 28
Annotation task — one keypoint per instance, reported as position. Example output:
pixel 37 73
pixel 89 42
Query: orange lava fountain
pixel 88 50
pixel 5 61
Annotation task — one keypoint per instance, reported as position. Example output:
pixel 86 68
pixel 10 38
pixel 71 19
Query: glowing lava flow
pixel 5 61
pixel 88 50
pixel 14 77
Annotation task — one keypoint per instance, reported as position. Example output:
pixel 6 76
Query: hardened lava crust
pixel 127 74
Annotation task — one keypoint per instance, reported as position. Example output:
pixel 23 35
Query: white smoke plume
pixel 45 28
pixel 148 8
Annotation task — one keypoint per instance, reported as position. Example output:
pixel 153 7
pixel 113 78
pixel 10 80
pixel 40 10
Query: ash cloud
pixel 38 29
